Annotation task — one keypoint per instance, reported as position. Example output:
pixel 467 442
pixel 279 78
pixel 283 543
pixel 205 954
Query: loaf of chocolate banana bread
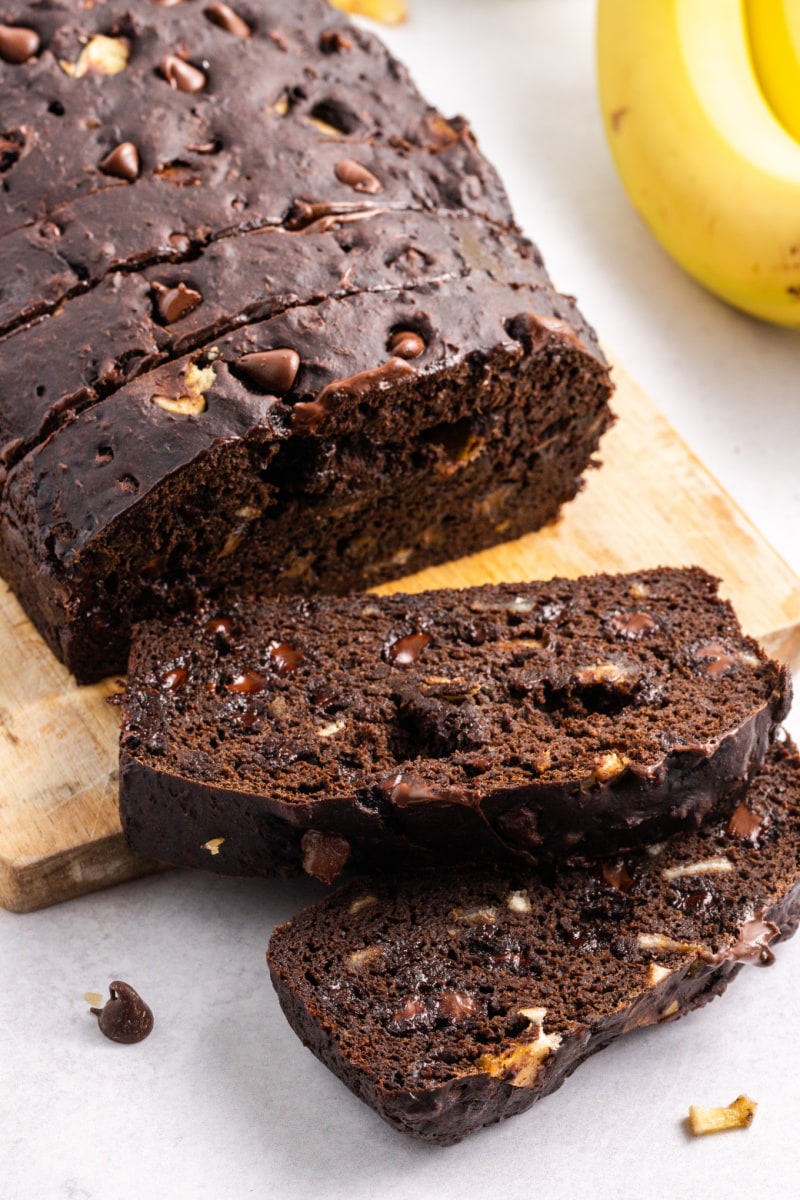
pixel 266 321
pixel 453 1001
pixel 539 719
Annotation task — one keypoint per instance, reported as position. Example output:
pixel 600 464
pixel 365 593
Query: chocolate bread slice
pixel 539 719
pixel 263 297
pixel 451 1002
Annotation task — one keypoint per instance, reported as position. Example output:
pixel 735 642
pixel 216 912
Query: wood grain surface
pixel 653 503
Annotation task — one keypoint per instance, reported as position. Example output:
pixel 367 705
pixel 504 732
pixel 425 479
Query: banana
pixel 701 155
pixel 774 30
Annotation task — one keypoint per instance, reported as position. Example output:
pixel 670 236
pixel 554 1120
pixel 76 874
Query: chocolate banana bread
pixel 266 321
pixel 451 1002
pixel 539 719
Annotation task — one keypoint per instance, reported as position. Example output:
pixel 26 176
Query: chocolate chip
pixel 182 75
pixel 219 627
pixel 274 371
pixel 406 650
pixel 324 854
pixel 457 1006
pixel 175 679
pixel 405 343
pixel 616 875
pixel 285 658
pixel 122 162
pixel 224 16
pixel 631 625
pixel 413 1015
pixel 17 43
pixel 714 659
pixel 744 823
pixel 172 303
pixel 124 1017
pixel 249 683
pixel 356 176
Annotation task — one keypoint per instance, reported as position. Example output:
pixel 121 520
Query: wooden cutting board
pixel 653 503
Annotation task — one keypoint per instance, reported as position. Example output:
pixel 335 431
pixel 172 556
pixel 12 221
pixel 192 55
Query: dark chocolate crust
pixel 423 391
pixel 537 720
pixel 450 1003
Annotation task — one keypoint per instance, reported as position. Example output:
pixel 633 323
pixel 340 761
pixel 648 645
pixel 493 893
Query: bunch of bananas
pixel 701 105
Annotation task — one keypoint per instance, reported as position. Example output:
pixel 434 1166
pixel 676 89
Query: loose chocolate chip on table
pixel 182 75
pixel 356 176
pixel 224 16
pixel 122 162
pixel 406 344
pixel 124 1017
pixel 17 44
pixel 172 303
pixel 272 370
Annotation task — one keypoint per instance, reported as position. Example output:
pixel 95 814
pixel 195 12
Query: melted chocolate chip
pixel 752 945
pixel 172 303
pixel 219 627
pixel 404 790
pixel 744 823
pixel 249 683
pixel 411 1016
pixel 324 854
pixel 122 162
pixel 285 658
pixel 616 875
pixel 124 1017
pixel 174 680
pixel 714 659
pixel 631 625
pixel 17 43
pixel 457 1006
pixel 308 415
pixel 533 329
pixel 225 18
pixel 273 371
pixel 182 75
pixel 355 175
pixel 406 650
pixel 404 343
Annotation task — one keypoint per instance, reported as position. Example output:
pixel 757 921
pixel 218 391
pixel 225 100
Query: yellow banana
pixel 701 155
pixel 774 30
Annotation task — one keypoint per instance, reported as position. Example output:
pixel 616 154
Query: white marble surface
pixel 222 1101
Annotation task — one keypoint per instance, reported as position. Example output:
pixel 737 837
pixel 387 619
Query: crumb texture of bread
pixel 538 720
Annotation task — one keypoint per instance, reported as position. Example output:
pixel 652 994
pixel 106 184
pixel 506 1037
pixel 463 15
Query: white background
pixel 222 1100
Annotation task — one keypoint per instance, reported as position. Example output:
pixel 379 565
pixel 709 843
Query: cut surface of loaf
pixel 266 321
pixel 539 719
pixel 451 1002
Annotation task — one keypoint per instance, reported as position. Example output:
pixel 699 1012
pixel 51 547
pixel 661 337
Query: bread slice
pixel 450 1002
pixel 538 719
